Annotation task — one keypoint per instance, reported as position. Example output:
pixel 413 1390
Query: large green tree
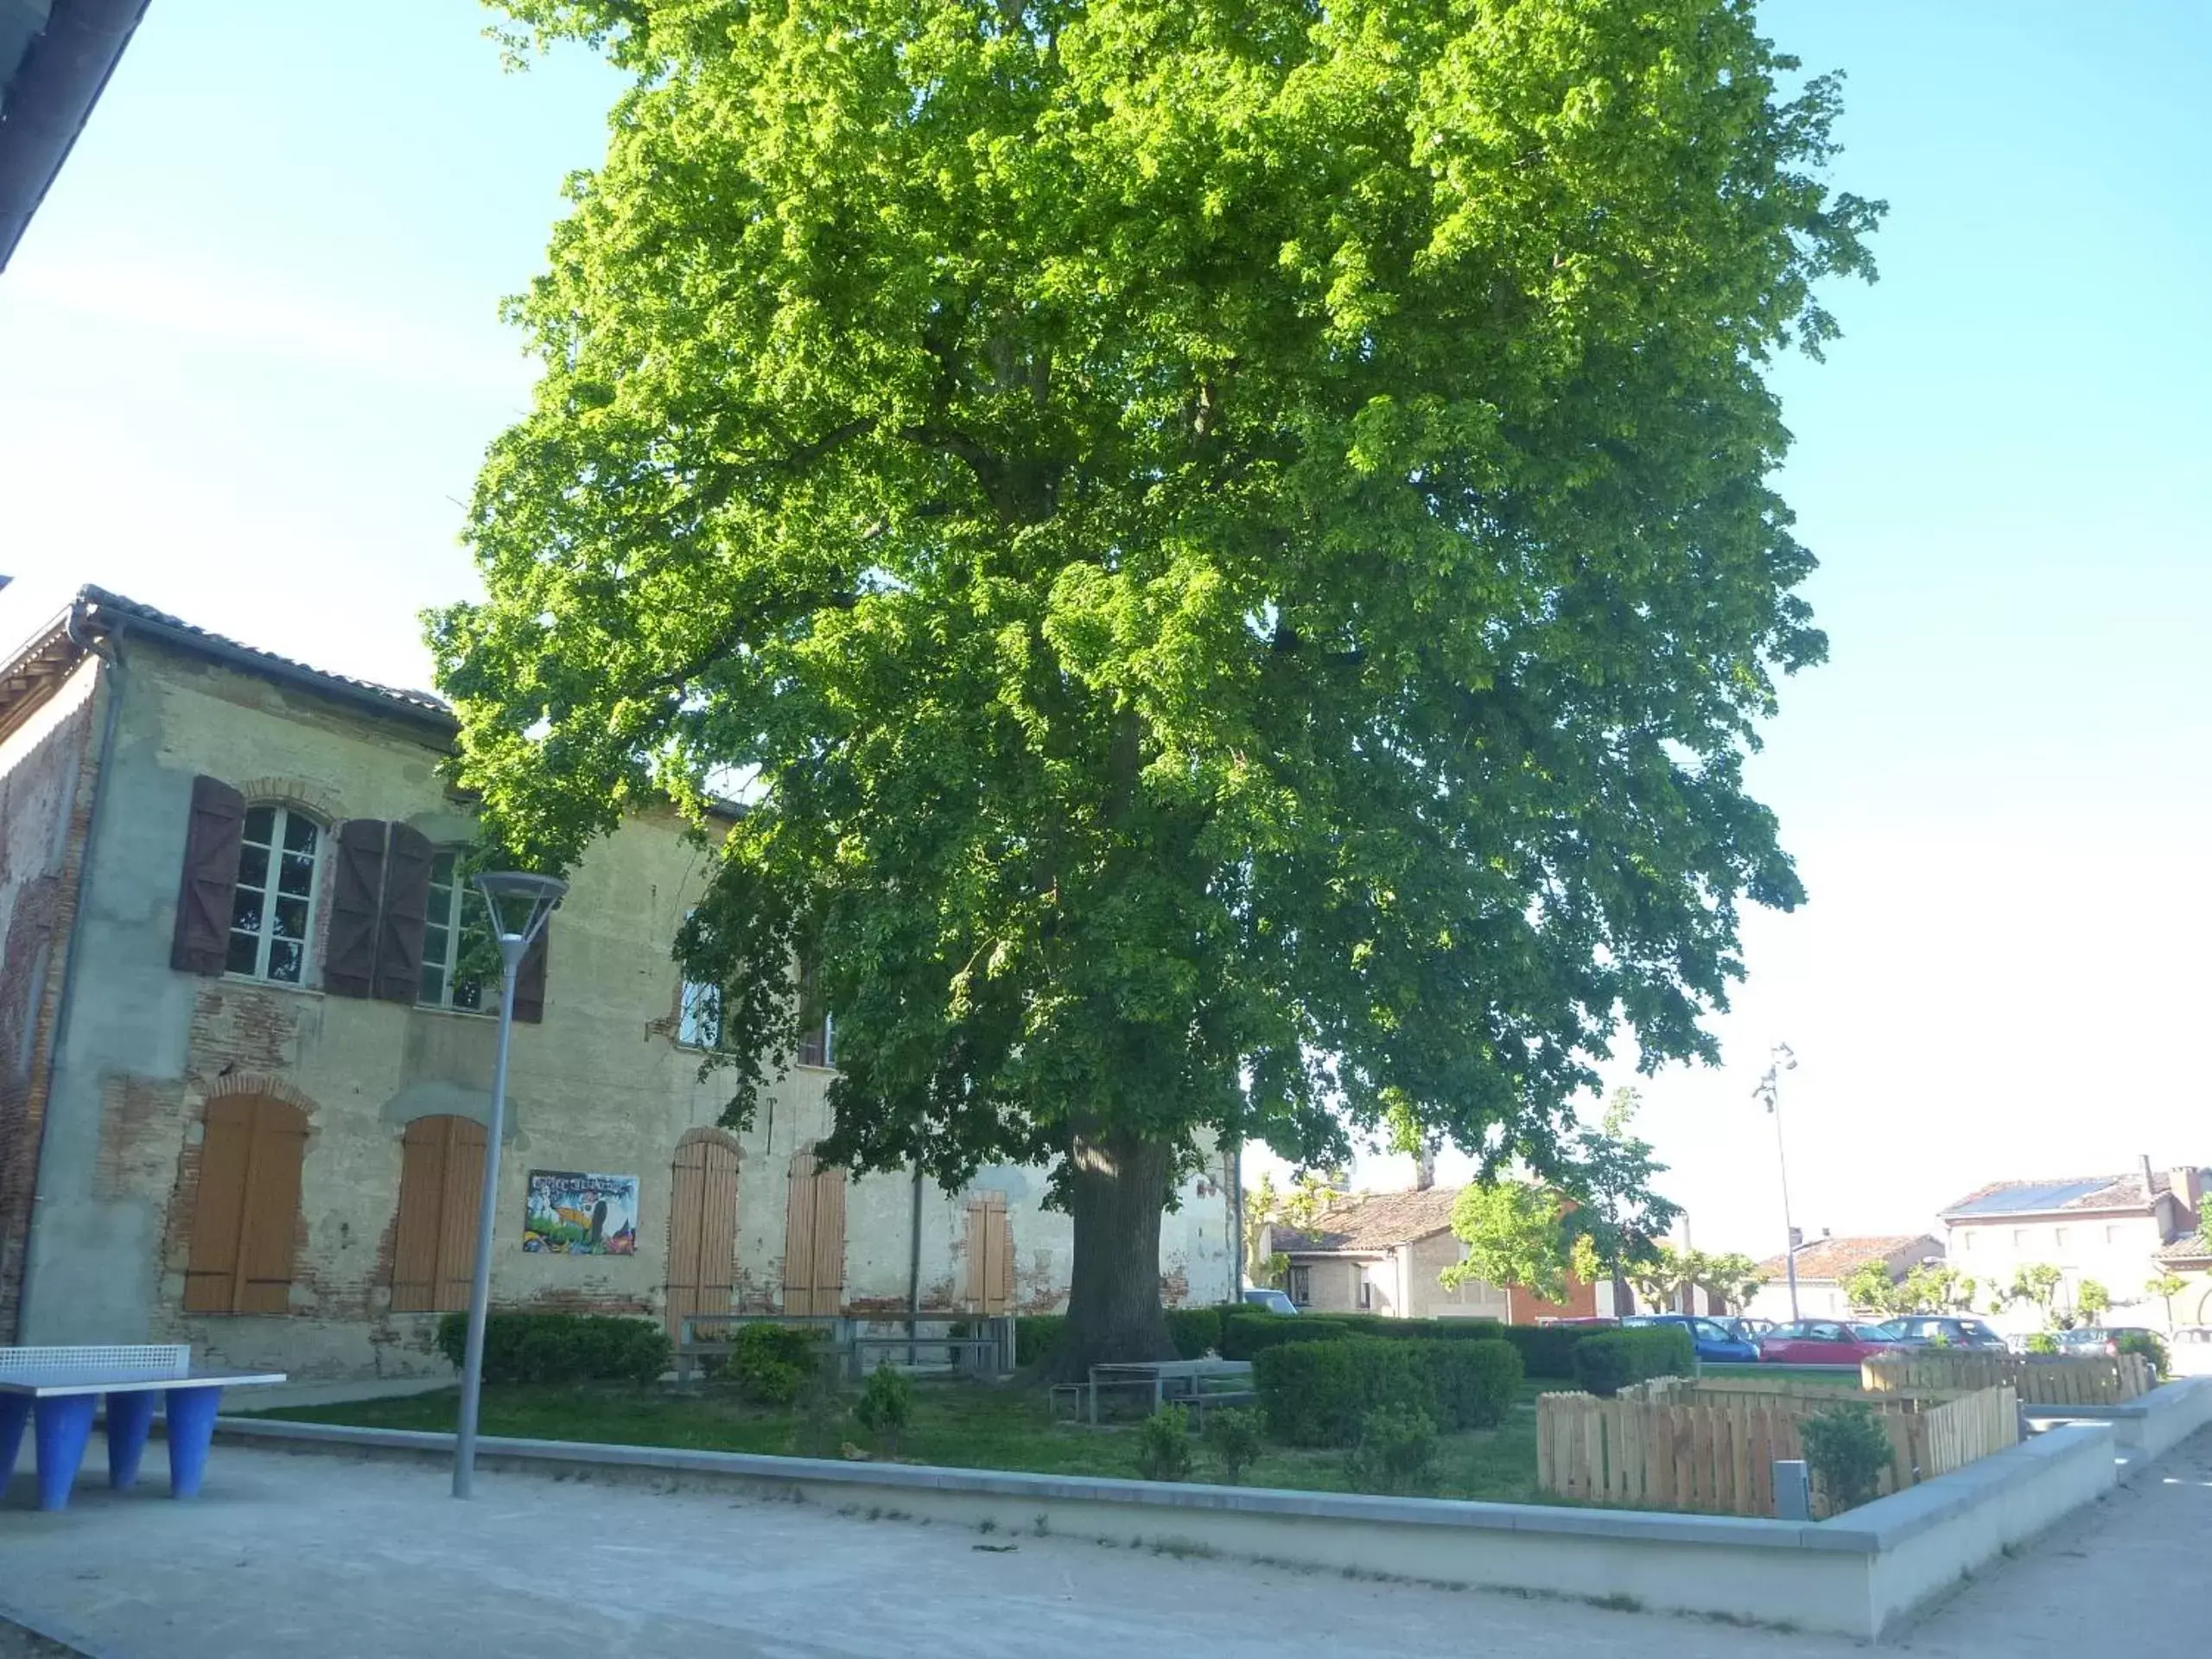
pixel 1229 545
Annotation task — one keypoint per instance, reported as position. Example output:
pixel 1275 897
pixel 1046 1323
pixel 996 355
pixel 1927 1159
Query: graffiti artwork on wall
pixel 573 1214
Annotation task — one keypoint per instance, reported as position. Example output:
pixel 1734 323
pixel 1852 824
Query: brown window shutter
pixel 434 1239
pixel 529 978
pixel 210 880
pixel 405 914
pixel 798 1237
pixel 350 968
pixel 247 1211
pixel 991 1253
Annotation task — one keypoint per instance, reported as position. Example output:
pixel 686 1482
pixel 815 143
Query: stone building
pixel 243 1077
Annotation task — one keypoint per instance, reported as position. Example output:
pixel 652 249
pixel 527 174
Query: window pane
pixel 441 870
pixel 245 911
pixel 291 920
pixel 253 866
pixel 245 948
pixel 258 820
pixel 284 959
pixel 297 875
pixel 699 1025
pixel 467 994
pixel 433 980
pixel 299 834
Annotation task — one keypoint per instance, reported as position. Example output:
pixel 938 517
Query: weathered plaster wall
pixel 1427 1299
pixel 46 772
pixel 599 1086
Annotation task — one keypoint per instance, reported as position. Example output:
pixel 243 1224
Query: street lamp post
pixel 1769 1090
pixel 518 905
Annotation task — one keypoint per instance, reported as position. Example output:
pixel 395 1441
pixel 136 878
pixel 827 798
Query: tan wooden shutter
pixel 701 1228
pixel 211 840
pixel 434 1241
pixel 529 977
pixel 404 916
pixel 247 1211
pixel 350 968
pixel 989 1252
pixel 814 1238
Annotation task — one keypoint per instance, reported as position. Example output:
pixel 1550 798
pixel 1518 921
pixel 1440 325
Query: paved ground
pixel 334 1557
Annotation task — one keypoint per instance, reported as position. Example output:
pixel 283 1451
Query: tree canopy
pixel 1229 546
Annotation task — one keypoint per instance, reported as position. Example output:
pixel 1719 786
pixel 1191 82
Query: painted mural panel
pixel 571 1213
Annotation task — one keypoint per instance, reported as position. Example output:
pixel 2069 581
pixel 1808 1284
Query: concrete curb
pixel 2153 1425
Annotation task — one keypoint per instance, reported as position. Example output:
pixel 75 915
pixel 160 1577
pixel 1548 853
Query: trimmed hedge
pixel 1196 1330
pixel 1546 1351
pixel 1247 1334
pixel 561 1347
pixel 1379 1325
pixel 1318 1393
pixel 1607 1362
pixel 1036 1335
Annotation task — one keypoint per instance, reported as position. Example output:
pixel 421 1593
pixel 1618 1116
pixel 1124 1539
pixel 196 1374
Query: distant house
pixel 2190 1260
pixel 1826 1265
pixel 1380 1253
pixel 2115 1229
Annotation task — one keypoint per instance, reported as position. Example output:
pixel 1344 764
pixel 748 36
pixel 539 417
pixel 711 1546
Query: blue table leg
pixel 192 1426
pixel 130 1415
pixel 64 1424
pixel 15 1412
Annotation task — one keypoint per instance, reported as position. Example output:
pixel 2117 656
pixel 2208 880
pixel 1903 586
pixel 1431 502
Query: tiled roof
pixel 101 606
pixel 1375 1222
pixel 1839 1258
pixel 2191 1247
pixel 2044 1198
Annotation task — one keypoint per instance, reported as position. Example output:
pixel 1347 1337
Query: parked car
pixel 1945 1331
pixel 1714 1343
pixel 2099 1338
pixel 2192 1348
pixel 1270 1301
pixel 1744 1327
pixel 1824 1342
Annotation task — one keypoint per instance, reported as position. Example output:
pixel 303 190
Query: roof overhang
pixel 55 58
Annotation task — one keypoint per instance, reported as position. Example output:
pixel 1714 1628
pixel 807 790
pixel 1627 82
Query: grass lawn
pixel 962 1425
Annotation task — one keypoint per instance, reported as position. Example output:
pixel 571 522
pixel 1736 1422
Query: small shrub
pixel 1476 1382
pixel 2149 1344
pixel 773 1362
pixel 1396 1452
pixel 1605 1362
pixel 1164 1445
pixel 1316 1393
pixel 1036 1335
pixel 1233 1435
pixel 1847 1449
pixel 1246 1335
pixel 2043 1341
pixel 885 1407
pixel 561 1347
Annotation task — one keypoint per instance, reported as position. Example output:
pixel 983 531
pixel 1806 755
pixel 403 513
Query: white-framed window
pixel 2058 1236
pixel 699 1021
pixel 1965 1241
pixel 2111 1235
pixel 456 928
pixel 817 1035
pixel 1301 1285
pixel 2019 1238
pixel 272 909
pixel 1366 1295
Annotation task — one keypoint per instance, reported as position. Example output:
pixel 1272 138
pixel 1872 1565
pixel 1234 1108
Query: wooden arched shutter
pixel 702 1227
pixel 356 886
pixel 246 1215
pixel 989 1252
pixel 212 838
pixel 404 917
pixel 434 1239
pixel 814 1238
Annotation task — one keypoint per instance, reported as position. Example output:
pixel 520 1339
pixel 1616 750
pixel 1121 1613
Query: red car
pixel 1824 1342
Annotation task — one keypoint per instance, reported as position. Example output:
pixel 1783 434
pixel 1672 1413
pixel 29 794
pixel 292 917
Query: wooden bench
pixel 58 1388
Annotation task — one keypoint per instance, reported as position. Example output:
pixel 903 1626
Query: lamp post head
pixel 518 904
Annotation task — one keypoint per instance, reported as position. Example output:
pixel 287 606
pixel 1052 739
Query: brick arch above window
pixel 714 1135
pixel 256 1083
pixel 315 799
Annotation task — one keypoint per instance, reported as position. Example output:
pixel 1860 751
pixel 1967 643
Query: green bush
pixel 885 1405
pixel 1546 1351
pixel 1475 1382
pixel 1196 1331
pixel 1246 1334
pixel 1607 1362
pixel 561 1347
pixel 1396 1452
pixel 772 1362
pixel 1036 1335
pixel 1233 1434
pixel 2043 1341
pixel 1316 1393
pixel 1847 1449
pixel 1164 1445
pixel 2150 1346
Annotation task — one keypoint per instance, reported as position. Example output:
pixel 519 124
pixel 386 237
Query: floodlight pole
pixel 514 944
pixel 1769 1090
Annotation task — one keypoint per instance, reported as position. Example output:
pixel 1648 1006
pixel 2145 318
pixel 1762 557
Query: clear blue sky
pixel 249 354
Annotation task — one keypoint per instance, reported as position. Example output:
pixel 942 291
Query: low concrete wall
pixel 2150 1427
pixel 1857 1576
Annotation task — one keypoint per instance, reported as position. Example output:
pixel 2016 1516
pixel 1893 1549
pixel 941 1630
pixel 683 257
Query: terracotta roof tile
pixel 1375 1222
pixel 1839 1258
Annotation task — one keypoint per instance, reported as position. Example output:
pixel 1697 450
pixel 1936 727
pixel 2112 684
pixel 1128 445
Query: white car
pixel 2192 1348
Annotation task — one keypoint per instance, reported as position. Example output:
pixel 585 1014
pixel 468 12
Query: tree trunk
pixel 1118 1188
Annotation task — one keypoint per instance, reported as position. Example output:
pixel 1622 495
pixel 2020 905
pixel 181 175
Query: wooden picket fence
pixel 1675 1444
pixel 2038 1379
